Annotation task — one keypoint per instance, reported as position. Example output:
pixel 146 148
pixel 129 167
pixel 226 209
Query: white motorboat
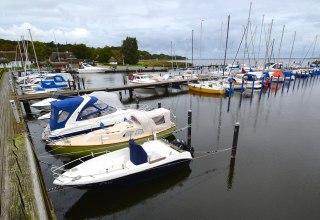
pixel 87 68
pixel 84 114
pixel 140 126
pixel 45 104
pixel 140 78
pixel 132 164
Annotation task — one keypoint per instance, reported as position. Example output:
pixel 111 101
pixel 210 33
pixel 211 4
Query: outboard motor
pixel 182 145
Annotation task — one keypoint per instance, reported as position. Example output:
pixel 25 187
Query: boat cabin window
pixel 63 115
pixel 107 109
pixel 58 79
pixel 134 119
pixel 90 112
pixel 139 131
pixel 159 120
pixel 128 134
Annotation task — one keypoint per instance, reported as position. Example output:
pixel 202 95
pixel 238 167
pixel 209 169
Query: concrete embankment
pixel 23 193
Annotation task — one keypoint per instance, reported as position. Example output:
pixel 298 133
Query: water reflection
pixel 231 173
pixel 97 203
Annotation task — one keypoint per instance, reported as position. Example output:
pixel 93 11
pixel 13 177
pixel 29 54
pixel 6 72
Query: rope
pixel 210 153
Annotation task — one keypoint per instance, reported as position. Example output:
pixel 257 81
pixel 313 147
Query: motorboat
pixel 83 114
pixel 277 76
pixel 141 126
pixel 212 87
pixel 141 78
pixel 130 165
pixel 250 81
pixel 87 68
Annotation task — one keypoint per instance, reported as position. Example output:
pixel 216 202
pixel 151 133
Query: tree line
pixel 127 53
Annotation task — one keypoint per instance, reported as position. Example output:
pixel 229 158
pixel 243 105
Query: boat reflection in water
pixel 116 199
pixel 206 94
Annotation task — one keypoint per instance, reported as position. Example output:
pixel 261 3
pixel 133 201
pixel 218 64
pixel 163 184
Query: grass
pixel 162 63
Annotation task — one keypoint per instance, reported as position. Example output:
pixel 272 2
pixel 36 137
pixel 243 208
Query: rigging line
pixel 239 46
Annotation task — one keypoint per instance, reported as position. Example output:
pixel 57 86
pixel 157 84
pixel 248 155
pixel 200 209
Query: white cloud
pixel 156 23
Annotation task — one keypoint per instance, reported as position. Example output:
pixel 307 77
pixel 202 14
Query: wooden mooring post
pixel 235 140
pixel 189 127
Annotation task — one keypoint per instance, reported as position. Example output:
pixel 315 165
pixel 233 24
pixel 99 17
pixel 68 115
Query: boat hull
pixel 83 150
pixel 201 89
pixel 140 177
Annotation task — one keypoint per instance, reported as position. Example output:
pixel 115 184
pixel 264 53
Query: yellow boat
pixel 210 87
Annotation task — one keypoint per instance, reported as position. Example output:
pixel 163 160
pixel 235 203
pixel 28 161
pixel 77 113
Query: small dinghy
pixel 129 165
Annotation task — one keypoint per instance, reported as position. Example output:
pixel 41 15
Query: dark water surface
pixel 276 174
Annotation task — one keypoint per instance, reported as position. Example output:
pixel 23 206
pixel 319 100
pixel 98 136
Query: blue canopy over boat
pixel 250 77
pixel 137 154
pixel 62 110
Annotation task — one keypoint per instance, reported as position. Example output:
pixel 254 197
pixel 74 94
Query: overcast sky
pixel 157 23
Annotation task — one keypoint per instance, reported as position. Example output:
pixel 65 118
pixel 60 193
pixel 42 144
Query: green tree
pixel 81 51
pixel 102 55
pixel 117 55
pixel 129 50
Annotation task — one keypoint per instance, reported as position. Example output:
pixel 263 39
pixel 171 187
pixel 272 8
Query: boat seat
pixel 155 157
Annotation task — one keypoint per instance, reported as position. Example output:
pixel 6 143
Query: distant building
pixel 11 59
pixel 61 60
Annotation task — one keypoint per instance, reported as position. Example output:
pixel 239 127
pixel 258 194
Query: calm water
pixel 276 174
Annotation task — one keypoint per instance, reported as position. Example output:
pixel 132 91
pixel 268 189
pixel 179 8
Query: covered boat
pixel 83 114
pixel 141 126
pixel 128 165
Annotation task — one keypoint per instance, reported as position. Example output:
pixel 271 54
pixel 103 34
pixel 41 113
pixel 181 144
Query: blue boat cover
pixel 137 153
pixel 287 73
pixel 250 77
pixel 50 84
pixel 66 106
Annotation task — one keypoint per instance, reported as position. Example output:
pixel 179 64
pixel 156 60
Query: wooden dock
pixel 22 191
pixel 130 88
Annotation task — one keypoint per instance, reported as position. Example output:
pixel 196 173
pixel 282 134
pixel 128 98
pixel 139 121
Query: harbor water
pixel 275 175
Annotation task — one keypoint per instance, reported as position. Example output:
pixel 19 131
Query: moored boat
pixel 84 114
pixel 211 87
pixel 141 126
pixel 131 164
pixel 87 68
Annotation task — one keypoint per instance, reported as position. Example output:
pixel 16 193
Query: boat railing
pixel 58 170
pixel 173 118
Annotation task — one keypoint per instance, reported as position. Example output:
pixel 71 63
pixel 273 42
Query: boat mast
pixel 34 50
pixel 262 24
pixel 55 42
pixel 281 42
pixel 246 37
pixel 192 48
pixel 268 43
pixel 314 46
pixel 294 38
pixel 225 51
pixel 171 57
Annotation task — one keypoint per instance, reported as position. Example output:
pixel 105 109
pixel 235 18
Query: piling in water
pixel 159 104
pixel 189 127
pixel 82 83
pixel 235 140
pixel 137 103
pixel 120 95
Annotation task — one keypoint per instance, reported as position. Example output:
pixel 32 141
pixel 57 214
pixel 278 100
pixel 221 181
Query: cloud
pixel 156 24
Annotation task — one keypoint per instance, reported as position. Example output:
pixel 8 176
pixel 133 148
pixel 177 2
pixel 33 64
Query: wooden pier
pixel 22 191
pixel 130 88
